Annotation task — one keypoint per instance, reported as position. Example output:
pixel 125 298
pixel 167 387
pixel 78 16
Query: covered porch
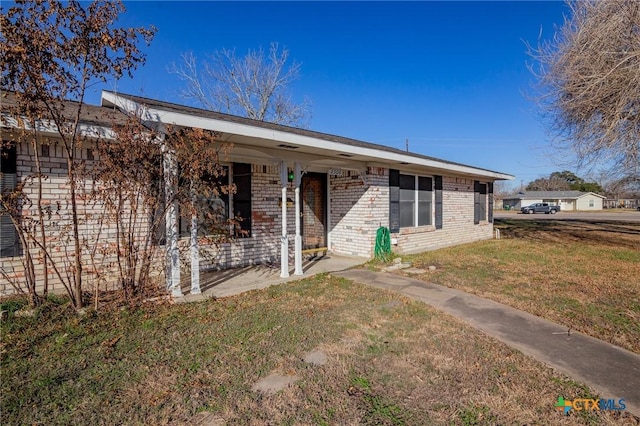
pixel 230 282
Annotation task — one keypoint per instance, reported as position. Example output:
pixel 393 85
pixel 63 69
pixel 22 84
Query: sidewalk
pixel 611 371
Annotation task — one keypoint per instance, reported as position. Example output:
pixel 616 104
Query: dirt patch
pixel 273 383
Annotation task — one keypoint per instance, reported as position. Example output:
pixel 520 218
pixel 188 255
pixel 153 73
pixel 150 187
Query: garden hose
pixel 382 250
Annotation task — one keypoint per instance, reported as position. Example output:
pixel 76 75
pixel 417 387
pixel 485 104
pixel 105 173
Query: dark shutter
pixel 242 197
pixel 476 202
pixel 394 200
pixel 9 240
pixel 490 213
pixel 438 212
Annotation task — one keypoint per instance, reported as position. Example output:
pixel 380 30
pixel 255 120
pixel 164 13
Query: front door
pixel 314 210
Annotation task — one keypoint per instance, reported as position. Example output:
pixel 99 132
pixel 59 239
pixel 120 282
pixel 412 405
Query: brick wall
pixel 359 205
pixel 97 231
pixel 264 244
pixel 457 223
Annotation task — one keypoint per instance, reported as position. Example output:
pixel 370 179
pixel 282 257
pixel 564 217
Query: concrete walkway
pixel 611 371
pixel 230 282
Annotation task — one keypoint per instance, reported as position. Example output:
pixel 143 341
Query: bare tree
pixel 52 51
pixel 503 189
pixel 128 186
pixel 588 80
pixel 254 86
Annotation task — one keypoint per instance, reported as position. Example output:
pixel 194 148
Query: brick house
pixel 304 190
pixel 567 200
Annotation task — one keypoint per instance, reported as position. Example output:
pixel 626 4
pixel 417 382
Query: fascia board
pixel 186 120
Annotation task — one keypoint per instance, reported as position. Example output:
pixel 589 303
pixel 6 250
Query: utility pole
pixel 406 144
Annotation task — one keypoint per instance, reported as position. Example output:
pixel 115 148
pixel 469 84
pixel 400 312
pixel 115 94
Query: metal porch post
pixel 172 254
pixel 195 248
pixel 298 239
pixel 284 244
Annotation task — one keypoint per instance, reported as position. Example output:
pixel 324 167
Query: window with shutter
pixel 480 202
pixel 223 204
pixel 410 201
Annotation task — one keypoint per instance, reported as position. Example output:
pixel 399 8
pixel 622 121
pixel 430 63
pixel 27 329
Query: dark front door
pixel 314 210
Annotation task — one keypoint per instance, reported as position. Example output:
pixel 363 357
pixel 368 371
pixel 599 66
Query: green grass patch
pixel 391 361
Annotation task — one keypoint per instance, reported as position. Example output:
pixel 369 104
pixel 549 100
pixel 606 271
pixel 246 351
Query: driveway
pixel 624 216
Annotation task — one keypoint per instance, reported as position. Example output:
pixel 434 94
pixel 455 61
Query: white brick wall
pixel 359 205
pixel 95 231
pixel 457 223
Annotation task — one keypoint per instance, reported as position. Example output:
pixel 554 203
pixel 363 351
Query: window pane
pixel 425 183
pixel 407 195
pixel 407 182
pixel 406 214
pixel 424 213
pixel 424 195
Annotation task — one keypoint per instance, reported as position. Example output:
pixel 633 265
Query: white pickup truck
pixel 545 208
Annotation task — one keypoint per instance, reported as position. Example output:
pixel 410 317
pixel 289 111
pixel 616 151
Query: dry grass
pixel 390 361
pixel 585 275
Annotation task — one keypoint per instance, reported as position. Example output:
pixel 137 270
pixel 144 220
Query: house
pixel 567 200
pixel 301 190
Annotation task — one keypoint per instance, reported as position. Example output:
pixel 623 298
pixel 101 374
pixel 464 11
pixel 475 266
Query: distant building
pixel 567 200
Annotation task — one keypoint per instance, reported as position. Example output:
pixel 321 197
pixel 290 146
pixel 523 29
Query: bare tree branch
pixel 588 78
pixel 253 86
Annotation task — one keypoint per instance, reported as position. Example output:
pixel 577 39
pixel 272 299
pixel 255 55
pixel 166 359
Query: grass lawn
pixel 390 361
pixel 580 274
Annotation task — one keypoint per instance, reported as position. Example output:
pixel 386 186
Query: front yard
pixel 390 360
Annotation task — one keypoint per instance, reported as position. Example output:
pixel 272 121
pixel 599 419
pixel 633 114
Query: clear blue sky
pixel 449 76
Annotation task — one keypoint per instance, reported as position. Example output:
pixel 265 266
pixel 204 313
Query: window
pixel 591 203
pixel 410 200
pixel 425 186
pixel 9 241
pixel 407 200
pixel 480 203
pixel 225 205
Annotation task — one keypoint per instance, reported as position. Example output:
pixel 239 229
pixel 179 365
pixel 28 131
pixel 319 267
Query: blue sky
pixel 449 76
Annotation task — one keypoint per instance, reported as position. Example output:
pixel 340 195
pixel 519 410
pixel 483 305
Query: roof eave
pixel 388 158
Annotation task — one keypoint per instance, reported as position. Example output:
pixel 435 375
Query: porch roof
pixel 261 139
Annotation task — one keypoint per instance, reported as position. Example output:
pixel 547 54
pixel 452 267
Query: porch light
pixel 290 176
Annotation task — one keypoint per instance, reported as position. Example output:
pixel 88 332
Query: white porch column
pixel 284 244
pixel 298 240
pixel 195 249
pixel 172 254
